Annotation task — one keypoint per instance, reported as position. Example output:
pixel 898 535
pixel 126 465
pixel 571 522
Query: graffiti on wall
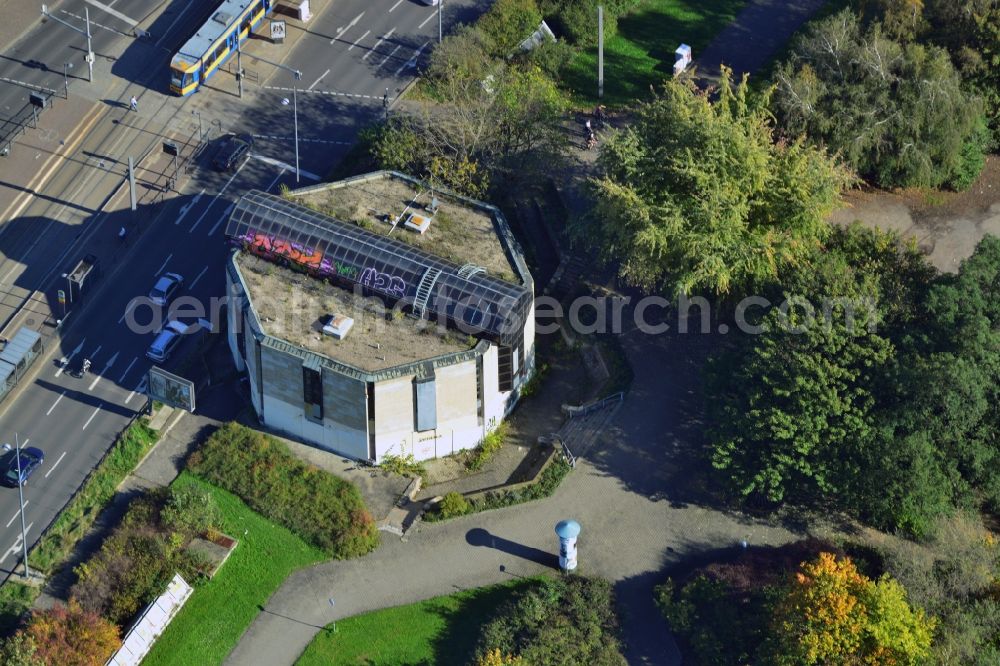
pixel 313 260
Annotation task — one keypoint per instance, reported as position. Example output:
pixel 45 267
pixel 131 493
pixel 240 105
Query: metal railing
pixel 573 411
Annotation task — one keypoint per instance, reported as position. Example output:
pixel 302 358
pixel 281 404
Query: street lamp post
pixel 201 134
pixel 295 104
pixel 295 113
pixel 20 496
pixel 66 67
pixel 90 48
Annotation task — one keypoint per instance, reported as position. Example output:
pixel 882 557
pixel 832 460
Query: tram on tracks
pixel 215 42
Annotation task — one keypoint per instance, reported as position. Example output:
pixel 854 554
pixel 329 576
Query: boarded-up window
pixel 505 368
pixel 425 403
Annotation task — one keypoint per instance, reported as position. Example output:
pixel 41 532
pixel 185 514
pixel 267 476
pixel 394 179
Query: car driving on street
pixel 166 341
pixel 31 459
pixel 166 288
pixel 233 150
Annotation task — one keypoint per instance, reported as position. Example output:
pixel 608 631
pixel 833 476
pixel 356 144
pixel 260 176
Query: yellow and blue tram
pixel 215 42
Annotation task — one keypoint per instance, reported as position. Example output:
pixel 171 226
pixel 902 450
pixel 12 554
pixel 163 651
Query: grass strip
pixel 641 54
pixel 215 616
pixel 441 630
pixel 79 514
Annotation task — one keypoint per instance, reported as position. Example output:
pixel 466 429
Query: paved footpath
pixel 624 493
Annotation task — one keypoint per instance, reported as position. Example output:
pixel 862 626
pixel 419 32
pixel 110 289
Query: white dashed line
pixel 225 216
pixel 54 466
pixel 195 281
pixel 358 40
pixel 391 53
pixel 398 3
pixel 412 62
pixel 122 378
pixel 426 21
pixel 96 409
pixel 321 77
pixel 18 513
pixel 350 25
pixel 378 43
pixel 163 265
pixel 55 403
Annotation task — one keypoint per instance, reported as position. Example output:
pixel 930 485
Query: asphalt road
pixel 352 47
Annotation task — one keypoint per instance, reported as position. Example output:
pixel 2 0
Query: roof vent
pixel 418 223
pixel 223 18
pixel 337 325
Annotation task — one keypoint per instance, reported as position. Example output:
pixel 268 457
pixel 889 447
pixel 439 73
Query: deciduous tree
pixel 832 615
pixel 71 636
pixel 697 195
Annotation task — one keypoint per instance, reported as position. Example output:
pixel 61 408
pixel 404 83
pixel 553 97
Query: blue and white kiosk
pixel 567 531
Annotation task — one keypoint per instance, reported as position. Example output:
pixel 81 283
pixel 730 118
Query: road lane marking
pixel 321 77
pixel 107 366
pixel 412 62
pixel 426 21
pixel 216 197
pixel 95 351
pixel 378 43
pixel 128 308
pixel 18 512
pixel 56 465
pixel 189 206
pixel 398 3
pixel 164 265
pixel 181 14
pixel 55 403
pixel 391 53
pixel 195 281
pixel 66 359
pixel 122 378
pixel 350 25
pixel 284 165
pixel 222 219
pixel 16 548
pixel 141 388
pixel 358 40
pixel 96 409
pixel 280 174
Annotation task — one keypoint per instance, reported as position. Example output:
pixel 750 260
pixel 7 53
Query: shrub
pixel 324 510
pixel 453 504
pixel 569 620
pixel 972 158
pixel 190 510
pixel 19 650
pixel 487 448
pixel 71 636
pixel 508 23
pixel 403 465
pixel 139 558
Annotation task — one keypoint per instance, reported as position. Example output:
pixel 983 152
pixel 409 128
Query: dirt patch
pixel 946 226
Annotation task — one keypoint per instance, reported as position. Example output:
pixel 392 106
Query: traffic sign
pixel 277 31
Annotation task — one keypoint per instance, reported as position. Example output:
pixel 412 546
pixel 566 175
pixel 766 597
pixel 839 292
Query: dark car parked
pixel 31 459
pixel 233 150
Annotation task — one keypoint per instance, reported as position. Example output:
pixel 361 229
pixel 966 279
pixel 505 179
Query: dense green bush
pixel 508 23
pixel 322 509
pixel 569 620
pixel 453 504
pixel 139 558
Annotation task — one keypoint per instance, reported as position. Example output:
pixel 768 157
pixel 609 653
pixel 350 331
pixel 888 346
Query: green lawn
pixel 217 614
pixel 642 53
pixel 442 630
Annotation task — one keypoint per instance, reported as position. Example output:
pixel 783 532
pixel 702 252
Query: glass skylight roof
pixel 478 304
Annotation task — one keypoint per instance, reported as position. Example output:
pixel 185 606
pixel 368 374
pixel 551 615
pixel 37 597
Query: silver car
pixel 166 288
pixel 166 341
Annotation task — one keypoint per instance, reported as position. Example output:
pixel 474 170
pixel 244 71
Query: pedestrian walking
pixel 589 129
pixel 134 104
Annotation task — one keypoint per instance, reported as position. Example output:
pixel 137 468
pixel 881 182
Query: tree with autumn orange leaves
pixel 833 615
pixel 72 636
